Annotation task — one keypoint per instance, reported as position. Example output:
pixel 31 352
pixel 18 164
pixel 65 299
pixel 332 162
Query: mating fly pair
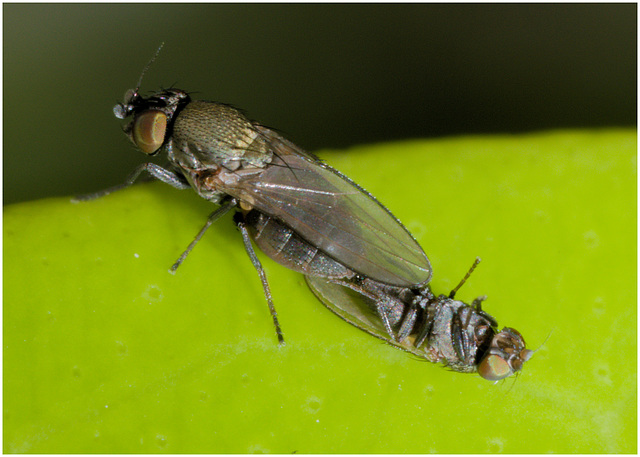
pixel 358 259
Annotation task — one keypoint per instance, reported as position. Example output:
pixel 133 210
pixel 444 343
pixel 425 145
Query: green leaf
pixel 105 351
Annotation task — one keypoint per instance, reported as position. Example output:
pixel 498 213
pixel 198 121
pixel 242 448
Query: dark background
pixel 328 76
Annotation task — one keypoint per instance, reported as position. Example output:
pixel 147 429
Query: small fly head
pixel 152 117
pixel 505 356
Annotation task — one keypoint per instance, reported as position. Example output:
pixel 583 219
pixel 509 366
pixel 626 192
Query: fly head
pixel 505 356
pixel 152 117
pixel 150 125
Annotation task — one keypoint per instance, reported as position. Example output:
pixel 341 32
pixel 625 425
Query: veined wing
pixel 351 306
pixel 333 213
pixel 357 307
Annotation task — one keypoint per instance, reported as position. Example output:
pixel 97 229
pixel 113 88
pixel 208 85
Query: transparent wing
pixel 351 306
pixel 357 307
pixel 332 213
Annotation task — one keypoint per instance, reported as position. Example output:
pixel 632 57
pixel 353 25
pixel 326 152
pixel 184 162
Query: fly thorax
pixel 455 333
pixel 217 134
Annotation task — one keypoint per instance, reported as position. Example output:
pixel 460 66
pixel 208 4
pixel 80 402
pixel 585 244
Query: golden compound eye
pixel 148 131
pixel 494 368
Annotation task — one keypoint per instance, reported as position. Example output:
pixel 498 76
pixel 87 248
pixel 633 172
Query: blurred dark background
pixel 328 76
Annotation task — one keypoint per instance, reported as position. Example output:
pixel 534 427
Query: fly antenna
pixel 148 65
pixel 545 340
pixel 513 384
pixel 473 267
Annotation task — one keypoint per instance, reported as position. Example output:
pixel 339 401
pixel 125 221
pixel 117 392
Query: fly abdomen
pixel 286 247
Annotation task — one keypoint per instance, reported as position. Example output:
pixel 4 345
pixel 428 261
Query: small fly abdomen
pixel 215 134
pixel 284 246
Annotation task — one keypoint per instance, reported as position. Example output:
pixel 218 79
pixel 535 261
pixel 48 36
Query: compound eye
pixel 494 368
pixel 148 131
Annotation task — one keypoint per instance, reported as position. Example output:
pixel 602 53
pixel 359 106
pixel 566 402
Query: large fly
pixel 238 163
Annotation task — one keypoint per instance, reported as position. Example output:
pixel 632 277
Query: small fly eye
pixel 148 131
pixel 494 368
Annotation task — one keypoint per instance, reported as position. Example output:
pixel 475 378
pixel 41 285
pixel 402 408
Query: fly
pixel 437 328
pixel 238 163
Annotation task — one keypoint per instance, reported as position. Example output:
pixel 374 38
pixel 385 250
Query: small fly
pixel 238 163
pixel 437 328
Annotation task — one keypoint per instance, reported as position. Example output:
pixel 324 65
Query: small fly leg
pixel 217 214
pixel 156 171
pixel 224 209
pixel 263 278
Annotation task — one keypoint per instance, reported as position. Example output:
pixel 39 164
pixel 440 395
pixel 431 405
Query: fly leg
pixel 380 308
pixel 384 304
pixel 460 339
pixel 427 325
pixel 408 322
pixel 477 303
pixel 156 171
pixel 263 277
pixel 477 306
pixel 217 214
